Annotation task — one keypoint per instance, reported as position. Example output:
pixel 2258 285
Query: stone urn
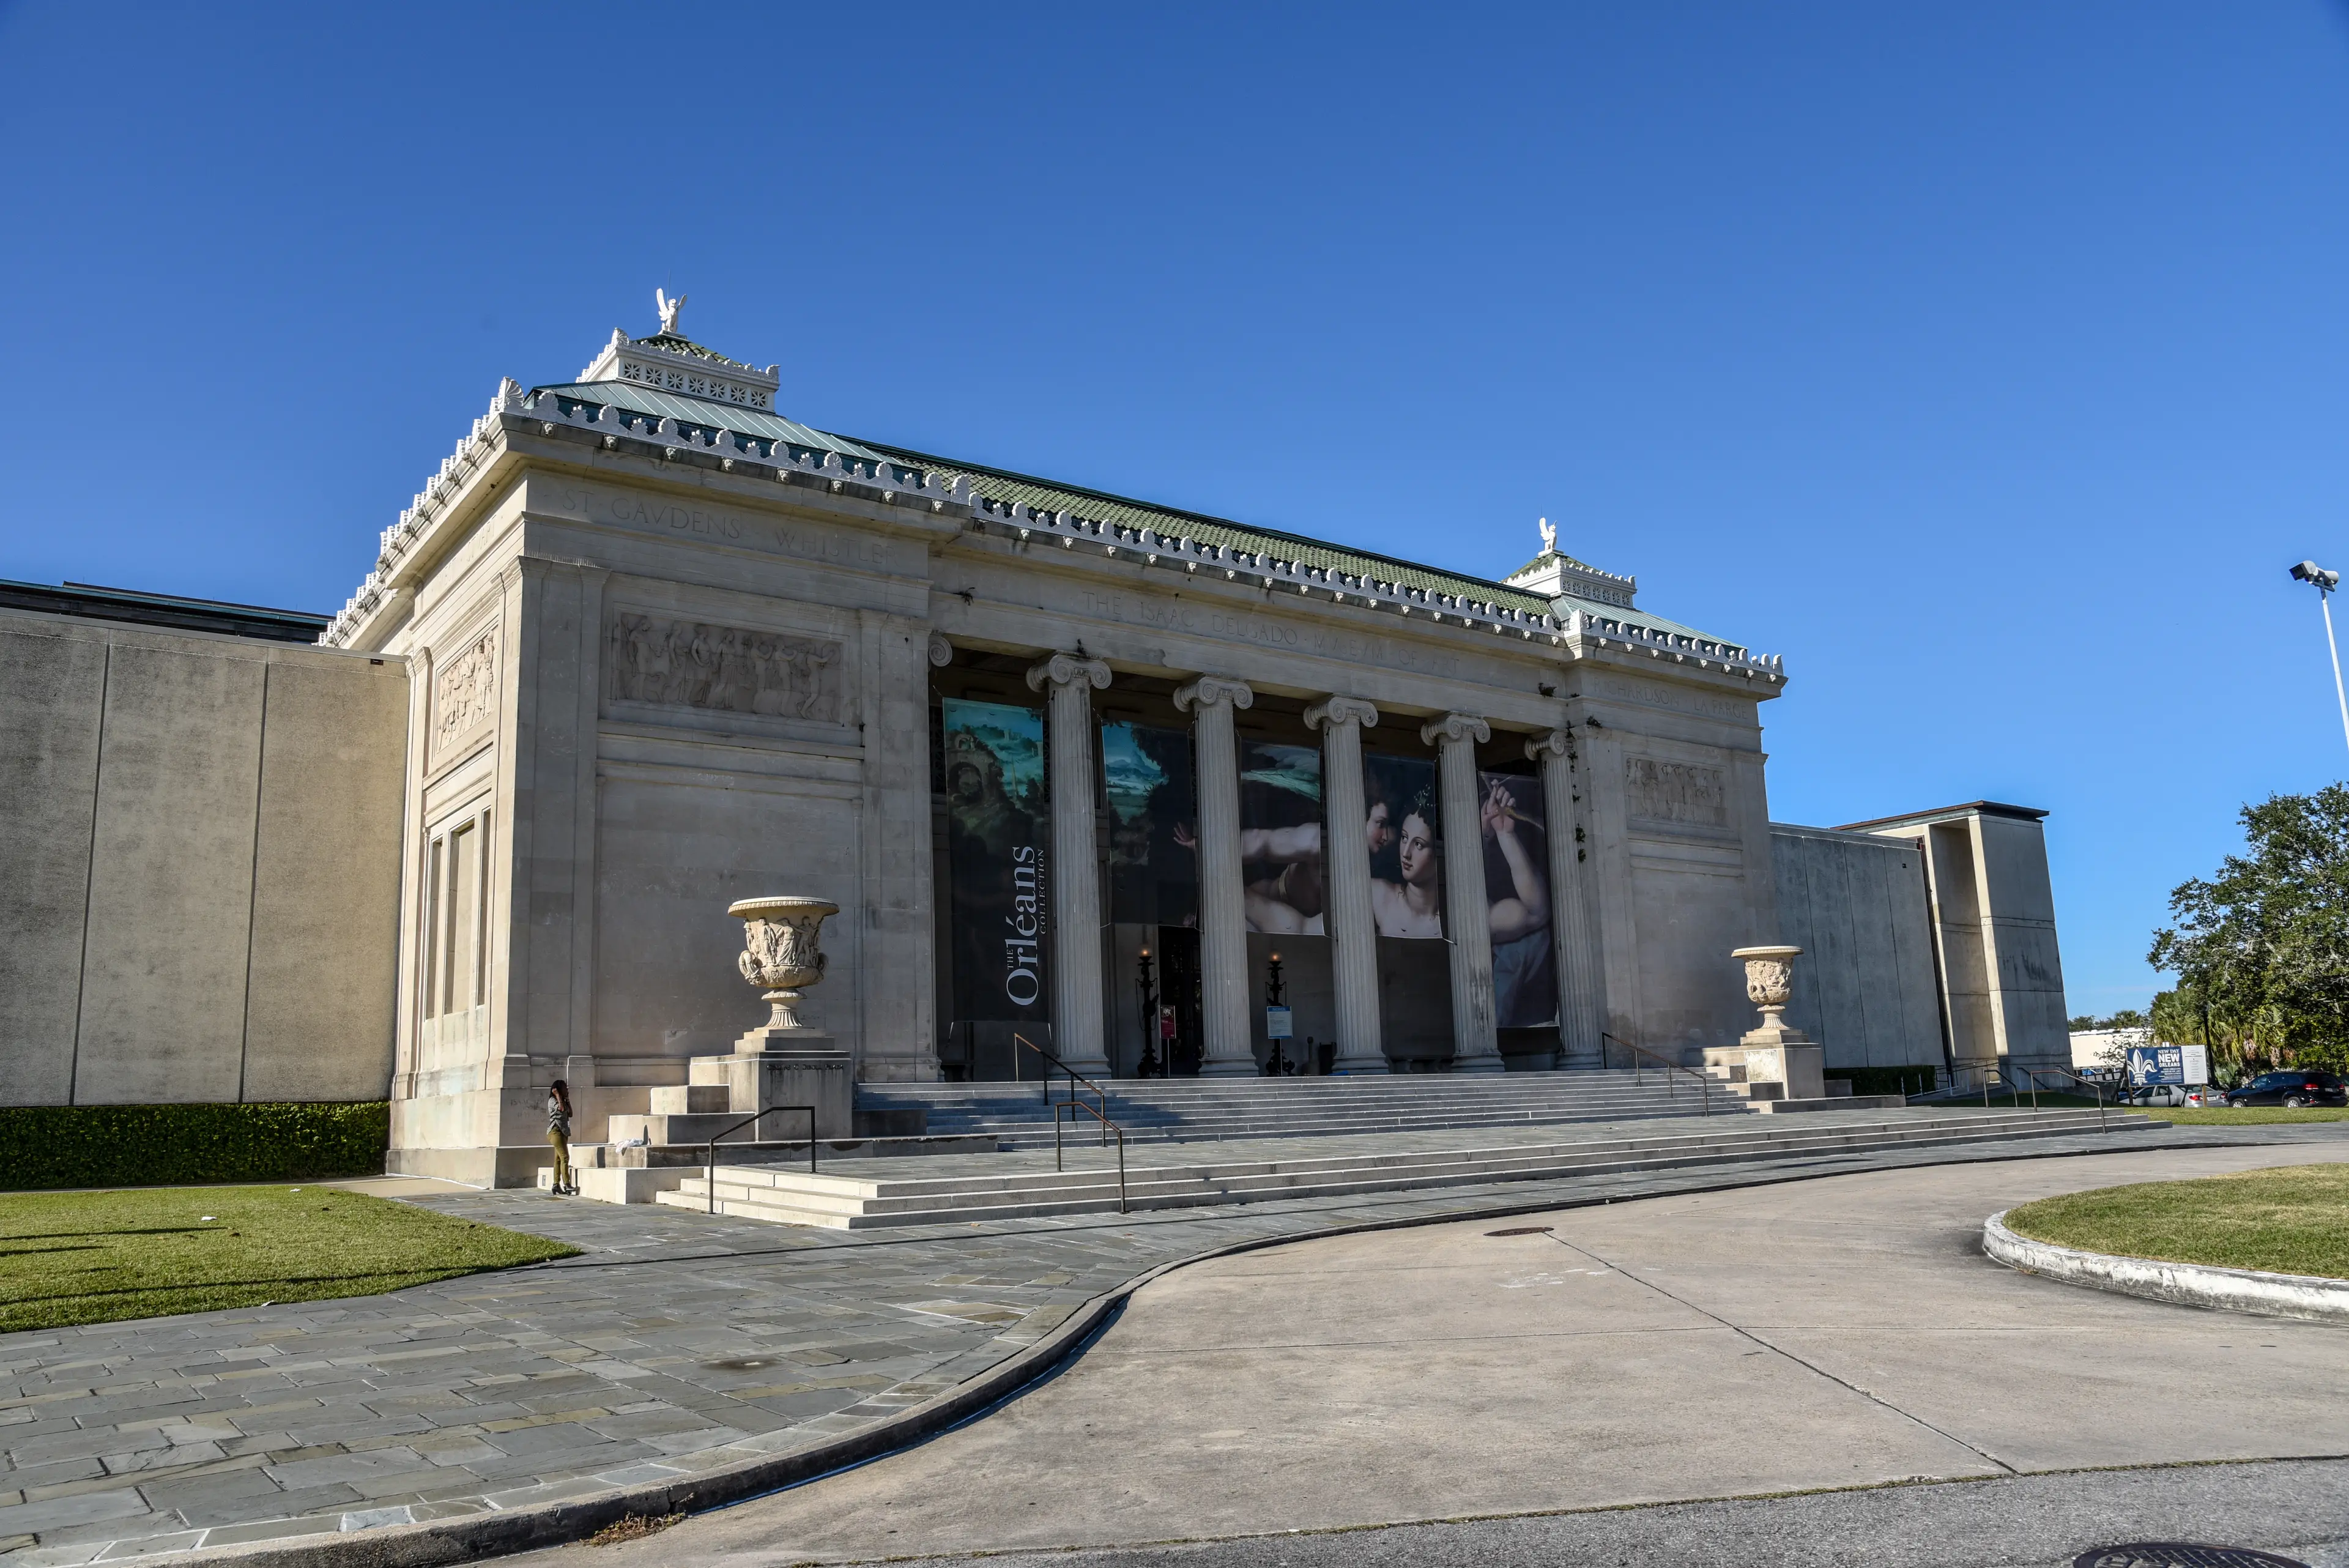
pixel 1769 980
pixel 783 949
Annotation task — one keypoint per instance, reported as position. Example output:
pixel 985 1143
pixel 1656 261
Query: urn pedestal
pixel 1774 1061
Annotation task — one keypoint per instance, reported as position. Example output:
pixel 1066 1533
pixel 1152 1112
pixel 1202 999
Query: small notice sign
pixel 2198 1063
pixel 1276 1024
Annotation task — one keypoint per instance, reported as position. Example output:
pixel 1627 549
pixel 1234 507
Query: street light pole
pixel 2325 582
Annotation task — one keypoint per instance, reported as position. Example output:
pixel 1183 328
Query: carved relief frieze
pixel 464 693
pixel 1688 794
pixel 674 661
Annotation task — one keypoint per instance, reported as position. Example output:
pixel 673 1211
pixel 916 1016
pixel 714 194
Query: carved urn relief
pixel 783 949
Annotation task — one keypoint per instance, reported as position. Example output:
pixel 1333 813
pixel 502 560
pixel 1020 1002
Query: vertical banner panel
pixel 1280 838
pixel 1150 777
pixel 998 828
pixel 1516 888
pixel 1404 817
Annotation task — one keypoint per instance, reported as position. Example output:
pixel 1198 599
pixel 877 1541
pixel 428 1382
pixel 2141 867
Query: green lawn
pixel 2291 1219
pixel 2242 1117
pixel 94 1257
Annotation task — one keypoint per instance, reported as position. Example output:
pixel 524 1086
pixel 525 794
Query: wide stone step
pixel 854 1201
pixel 1086 1131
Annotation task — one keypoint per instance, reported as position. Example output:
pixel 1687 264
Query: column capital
pixel 1209 689
pixel 1456 727
pixel 1341 710
pixel 1064 668
pixel 1557 743
pixel 941 650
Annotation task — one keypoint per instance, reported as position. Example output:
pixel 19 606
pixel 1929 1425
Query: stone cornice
pixel 1029 526
pixel 1578 633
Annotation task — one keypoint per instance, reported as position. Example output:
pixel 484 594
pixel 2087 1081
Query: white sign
pixel 1276 1024
pixel 2198 1063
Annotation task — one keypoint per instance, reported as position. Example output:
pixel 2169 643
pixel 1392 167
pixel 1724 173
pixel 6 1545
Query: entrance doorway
pixel 1178 990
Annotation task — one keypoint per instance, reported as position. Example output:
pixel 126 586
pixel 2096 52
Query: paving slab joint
pixel 2188 1284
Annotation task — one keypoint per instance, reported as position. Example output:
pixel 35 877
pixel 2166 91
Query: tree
pixel 2261 948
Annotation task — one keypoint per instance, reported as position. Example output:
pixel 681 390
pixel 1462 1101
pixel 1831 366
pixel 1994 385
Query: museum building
pixel 1154 793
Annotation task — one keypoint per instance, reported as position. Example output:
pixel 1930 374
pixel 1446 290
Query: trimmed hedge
pixel 1887 1080
pixel 168 1146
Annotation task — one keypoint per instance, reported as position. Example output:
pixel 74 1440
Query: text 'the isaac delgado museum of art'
pixel 1154 793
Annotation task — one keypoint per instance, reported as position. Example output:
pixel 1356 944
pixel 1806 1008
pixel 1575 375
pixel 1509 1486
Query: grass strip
pixel 2289 1219
pixel 98 1257
pixel 2242 1115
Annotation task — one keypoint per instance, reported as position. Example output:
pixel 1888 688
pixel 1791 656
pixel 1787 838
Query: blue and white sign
pixel 2155 1064
pixel 1277 1023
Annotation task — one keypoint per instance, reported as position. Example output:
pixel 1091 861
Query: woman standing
pixel 558 1136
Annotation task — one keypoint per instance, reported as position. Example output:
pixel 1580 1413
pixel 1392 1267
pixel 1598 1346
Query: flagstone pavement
pixel 675 1345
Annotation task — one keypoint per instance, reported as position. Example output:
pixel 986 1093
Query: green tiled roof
pixel 678 345
pixel 1025 490
pixel 701 411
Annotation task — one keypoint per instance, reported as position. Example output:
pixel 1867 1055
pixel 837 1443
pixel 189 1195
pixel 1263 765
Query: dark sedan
pixel 2292 1088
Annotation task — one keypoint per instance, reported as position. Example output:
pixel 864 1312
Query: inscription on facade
pixel 1658 694
pixel 695 664
pixel 464 692
pixel 657 514
pixel 1171 614
pixel 1686 793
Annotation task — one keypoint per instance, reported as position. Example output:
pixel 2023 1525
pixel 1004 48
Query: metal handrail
pixel 709 1149
pixel 2093 1087
pixel 1704 1080
pixel 1075 1078
pixel 1099 1113
pixel 1072 1106
pixel 2000 1071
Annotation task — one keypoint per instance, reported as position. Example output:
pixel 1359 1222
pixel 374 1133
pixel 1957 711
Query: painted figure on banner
pixel 1516 885
pixel 1280 838
pixel 1406 847
pixel 997 826
pixel 1154 859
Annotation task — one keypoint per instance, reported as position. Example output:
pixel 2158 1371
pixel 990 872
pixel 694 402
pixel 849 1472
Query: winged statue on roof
pixel 668 308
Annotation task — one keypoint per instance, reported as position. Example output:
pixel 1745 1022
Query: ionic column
pixel 1476 1048
pixel 1076 880
pixel 1226 1051
pixel 1582 1004
pixel 1346 861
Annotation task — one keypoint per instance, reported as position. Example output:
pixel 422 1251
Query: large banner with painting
pixel 1403 824
pixel 1516 888
pixel 1280 836
pixel 1153 853
pixel 999 827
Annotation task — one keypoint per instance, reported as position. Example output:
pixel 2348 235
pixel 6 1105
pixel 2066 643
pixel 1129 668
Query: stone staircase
pixel 1190 1110
pixel 857 1195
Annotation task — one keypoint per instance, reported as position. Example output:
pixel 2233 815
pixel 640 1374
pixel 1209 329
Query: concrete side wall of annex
pixel 199 867
pixel 1865 986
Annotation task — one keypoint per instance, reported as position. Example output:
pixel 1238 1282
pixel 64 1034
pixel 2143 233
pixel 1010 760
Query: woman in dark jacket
pixel 558 1136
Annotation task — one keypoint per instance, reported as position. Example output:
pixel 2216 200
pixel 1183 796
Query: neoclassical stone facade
pixel 668 650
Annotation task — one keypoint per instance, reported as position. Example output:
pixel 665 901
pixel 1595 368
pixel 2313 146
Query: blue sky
pixel 1988 361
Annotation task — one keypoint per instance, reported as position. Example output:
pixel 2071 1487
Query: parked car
pixel 2155 1095
pixel 2293 1087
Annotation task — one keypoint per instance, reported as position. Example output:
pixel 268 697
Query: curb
pixel 2306 1296
pixel 428 1543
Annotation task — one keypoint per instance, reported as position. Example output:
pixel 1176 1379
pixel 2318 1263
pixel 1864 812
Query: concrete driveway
pixel 1832 1333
